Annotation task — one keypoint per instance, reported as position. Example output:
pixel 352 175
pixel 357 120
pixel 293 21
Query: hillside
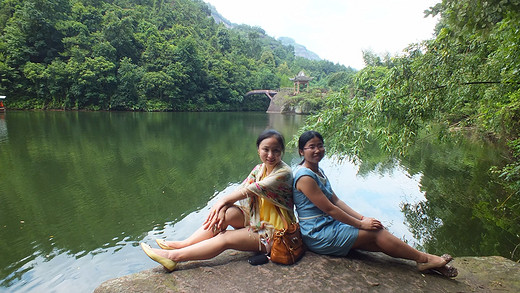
pixel 141 55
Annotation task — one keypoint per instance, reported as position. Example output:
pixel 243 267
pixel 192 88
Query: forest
pixel 139 55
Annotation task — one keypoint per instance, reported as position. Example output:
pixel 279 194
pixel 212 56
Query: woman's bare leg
pixel 384 241
pixel 242 239
pixel 234 218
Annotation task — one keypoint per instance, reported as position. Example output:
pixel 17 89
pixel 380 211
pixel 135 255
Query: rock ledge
pixel 360 271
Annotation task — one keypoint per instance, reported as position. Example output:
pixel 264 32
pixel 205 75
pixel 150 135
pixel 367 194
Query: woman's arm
pixel 310 188
pixel 236 195
pixel 218 210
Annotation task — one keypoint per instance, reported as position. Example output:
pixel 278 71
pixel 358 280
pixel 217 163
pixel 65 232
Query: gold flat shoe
pixel 162 244
pixel 166 262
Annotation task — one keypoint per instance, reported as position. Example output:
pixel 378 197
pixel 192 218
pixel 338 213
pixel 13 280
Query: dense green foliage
pixel 467 77
pixel 138 55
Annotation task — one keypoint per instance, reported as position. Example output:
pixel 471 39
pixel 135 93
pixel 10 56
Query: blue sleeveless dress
pixel 321 233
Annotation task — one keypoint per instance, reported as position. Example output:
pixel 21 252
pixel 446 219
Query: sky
pixel 337 30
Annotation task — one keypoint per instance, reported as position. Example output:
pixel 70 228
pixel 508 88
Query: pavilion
pixel 300 79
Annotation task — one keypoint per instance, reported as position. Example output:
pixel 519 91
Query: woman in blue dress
pixel 329 226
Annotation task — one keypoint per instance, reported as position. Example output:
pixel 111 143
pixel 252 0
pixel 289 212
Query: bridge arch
pixel 274 107
pixel 269 93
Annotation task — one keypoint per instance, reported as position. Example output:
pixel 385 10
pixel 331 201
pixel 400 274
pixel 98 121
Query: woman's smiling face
pixel 313 151
pixel 270 151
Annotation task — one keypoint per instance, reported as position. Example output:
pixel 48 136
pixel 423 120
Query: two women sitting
pixel 328 225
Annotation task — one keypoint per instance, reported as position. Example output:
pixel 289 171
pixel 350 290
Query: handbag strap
pixel 285 224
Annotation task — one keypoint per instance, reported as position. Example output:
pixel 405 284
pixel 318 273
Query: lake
pixel 80 190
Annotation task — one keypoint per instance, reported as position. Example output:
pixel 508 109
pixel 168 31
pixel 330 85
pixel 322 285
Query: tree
pixel 127 95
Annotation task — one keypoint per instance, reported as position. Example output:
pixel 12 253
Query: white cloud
pixel 337 30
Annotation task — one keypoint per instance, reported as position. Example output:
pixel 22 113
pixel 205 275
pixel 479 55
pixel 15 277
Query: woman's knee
pixel 234 217
pixel 240 239
pixel 384 235
pixel 380 238
pixel 366 239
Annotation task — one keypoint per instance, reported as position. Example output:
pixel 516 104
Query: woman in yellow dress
pixel 267 190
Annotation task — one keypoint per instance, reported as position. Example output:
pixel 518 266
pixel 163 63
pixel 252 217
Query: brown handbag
pixel 288 245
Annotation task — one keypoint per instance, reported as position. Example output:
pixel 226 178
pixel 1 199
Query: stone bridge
pixel 275 106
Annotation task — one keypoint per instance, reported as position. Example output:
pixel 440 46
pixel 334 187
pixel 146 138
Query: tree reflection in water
pixel 465 211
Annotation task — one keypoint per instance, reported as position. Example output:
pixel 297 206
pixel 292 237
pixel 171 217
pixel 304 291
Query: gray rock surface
pixel 359 272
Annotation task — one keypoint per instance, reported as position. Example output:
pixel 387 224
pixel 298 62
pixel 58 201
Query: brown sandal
pixel 424 266
pixel 447 257
pixel 446 271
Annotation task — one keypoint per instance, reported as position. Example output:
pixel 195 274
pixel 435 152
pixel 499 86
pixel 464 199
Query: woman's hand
pixel 370 224
pixel 216 217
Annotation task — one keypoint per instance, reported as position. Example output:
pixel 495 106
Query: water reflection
pixel 376 194
pixel 465 211
pixel 3 128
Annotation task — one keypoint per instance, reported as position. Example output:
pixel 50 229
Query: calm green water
pixel 80 190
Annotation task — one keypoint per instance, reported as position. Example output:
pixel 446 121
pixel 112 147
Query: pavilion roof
pixel 301 77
